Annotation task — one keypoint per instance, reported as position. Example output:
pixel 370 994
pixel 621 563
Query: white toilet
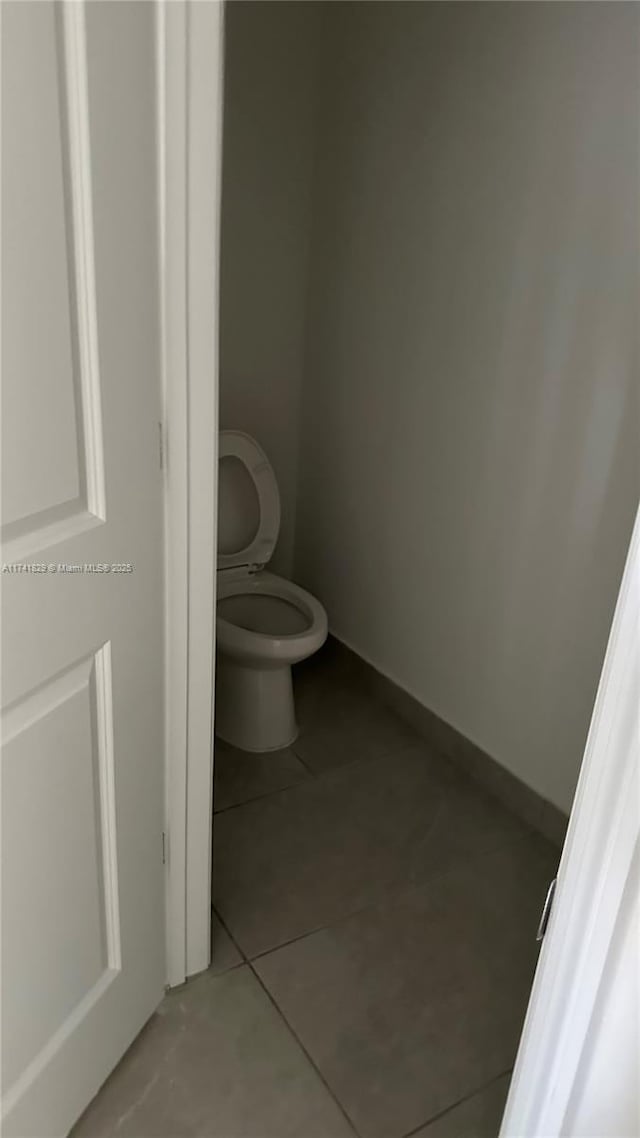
pixel 264 622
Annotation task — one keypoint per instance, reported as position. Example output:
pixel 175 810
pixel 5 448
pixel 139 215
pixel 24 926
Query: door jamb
pixel 591 903
pixel 189 76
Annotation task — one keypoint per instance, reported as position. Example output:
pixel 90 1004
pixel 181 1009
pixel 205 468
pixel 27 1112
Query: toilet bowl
pixel 264 623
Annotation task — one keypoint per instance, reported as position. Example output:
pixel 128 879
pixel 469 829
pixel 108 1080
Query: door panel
pixel 82 768
pixel 65 719
pixel 50 393
pixel 33 162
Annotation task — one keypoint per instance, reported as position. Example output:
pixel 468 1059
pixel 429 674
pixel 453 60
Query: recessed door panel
pixel 52 486
pixel 60 912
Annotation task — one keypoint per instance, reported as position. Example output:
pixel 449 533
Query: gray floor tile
pixel 224 954
pixel 407 1007
pixel 478 1117
pixel 340 714
pixel 470 822
pixel 240 776
pixel 328 670
pixel 340 720
pixel 327 694
pixel 295 861
pixel 290 863
pixel 408 1002
pixel 357 728
pixel 216 1061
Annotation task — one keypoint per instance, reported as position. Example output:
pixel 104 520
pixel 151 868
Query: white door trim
pixel 596 865
pixel 189 146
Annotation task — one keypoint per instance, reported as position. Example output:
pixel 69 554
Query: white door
pixel 82 771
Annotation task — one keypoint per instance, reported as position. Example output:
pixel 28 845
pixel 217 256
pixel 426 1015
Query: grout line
pixel 389 897
pixel 230 935
pixel 258 797
pixel 219 974
pixel 309 770
pixel 302 1047
pixel 317 929
pixel 458 1102
pixel 314 775
pixel 393 750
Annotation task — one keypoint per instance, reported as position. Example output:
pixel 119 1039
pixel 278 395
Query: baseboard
pixel 530 806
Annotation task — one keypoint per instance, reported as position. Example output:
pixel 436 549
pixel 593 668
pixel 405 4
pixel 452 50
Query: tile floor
pixel 373 946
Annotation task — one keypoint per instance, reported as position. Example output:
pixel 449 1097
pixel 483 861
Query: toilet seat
pixel 233 550
pixel 283 648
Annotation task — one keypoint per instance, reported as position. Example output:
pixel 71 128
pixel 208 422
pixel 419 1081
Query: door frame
pixel 598 856
pixel 595 893
pixel 189 75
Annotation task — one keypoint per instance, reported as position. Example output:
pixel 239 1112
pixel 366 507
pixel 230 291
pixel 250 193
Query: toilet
pixel 264 623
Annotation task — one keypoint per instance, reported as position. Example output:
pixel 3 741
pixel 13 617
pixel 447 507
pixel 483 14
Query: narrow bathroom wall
pixel 469 448
pixel 269 110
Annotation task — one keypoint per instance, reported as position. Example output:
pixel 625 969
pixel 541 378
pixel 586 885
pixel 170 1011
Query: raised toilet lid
pixel 248 502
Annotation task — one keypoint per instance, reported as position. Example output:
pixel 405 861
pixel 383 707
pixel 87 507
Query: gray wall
pixel 448 377
pixel 266 199
pixel 470 423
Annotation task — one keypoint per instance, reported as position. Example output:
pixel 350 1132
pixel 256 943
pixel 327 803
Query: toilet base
pixel 254 706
